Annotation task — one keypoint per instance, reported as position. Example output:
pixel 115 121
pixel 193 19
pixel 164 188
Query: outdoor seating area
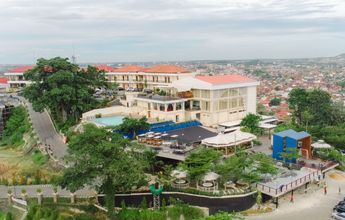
pixel 209 182
pixel 180 179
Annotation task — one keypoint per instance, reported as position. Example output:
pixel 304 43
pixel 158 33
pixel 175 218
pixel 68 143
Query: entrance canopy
pixel 229 139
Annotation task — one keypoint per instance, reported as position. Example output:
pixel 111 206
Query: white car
pixel 338 215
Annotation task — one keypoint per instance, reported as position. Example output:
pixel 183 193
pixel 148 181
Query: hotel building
pixel 209 99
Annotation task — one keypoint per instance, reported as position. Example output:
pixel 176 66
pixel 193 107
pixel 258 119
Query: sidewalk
pixel 313 205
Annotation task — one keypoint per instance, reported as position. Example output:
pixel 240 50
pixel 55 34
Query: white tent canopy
pixel 229 139
pixel 179 174
pixel 321 144
pixel 210 176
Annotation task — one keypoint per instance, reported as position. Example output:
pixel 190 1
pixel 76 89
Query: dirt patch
pixel 337 176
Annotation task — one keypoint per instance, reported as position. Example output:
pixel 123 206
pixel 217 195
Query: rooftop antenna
pixel 74 58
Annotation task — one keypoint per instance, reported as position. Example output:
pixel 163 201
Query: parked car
pixel 338 215
pixel 339 208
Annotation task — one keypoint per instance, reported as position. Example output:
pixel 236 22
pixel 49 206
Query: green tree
pixel 200 162
pixel 103 160
pixel 251 123
pixel 290 154
pixel 63 88
pixel 298 102
pixel 16 126
pixel 275 102
pixel 307 117
pixel 247 167
pixel 133 125
pixel 259 199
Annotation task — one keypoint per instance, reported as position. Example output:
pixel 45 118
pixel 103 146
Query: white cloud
pixel 127 27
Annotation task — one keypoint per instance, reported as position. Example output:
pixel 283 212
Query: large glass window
pixel 205 106
pixel 234 103
pixel 196 93
pixel 170 107
pixel 224 93
pixel 223 104
pixel 241 102
pixel 155 106
pixel 205 94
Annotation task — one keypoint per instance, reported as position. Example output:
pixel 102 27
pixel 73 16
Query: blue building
pixel 290 139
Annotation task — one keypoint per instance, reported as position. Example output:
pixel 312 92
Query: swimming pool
pixel 110 121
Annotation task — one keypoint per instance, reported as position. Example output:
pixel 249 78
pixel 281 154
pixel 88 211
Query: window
pixel 234 103
pixel 241 102
pixel 196 93
pixel 205 106
pixel 224 93
pixel 162 107
pixel 234 92
pixel 223 104
pixel 170 108
pixel 155 106
pixel 205 94
pixel 178 106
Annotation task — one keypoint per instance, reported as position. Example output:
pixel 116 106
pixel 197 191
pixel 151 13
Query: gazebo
pixel 180 179
pixel 228 140
pixel 209 182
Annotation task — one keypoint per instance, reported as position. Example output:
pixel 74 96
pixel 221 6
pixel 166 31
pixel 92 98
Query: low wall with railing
pixel 213 203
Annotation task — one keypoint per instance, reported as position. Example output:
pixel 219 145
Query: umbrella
pixel 179 174
pixel 210 176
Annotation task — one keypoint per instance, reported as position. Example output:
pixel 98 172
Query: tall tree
pixel 298 102
pixel 200 162
pixel 62 87
pixel 103 160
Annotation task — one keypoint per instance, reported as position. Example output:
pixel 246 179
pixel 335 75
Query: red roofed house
pixel 4 86
pixel 105 68
pixel 212 100
pixel 16 77
pixel 138 77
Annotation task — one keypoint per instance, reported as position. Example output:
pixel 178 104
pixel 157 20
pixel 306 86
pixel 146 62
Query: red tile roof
pixel 130 69
pixel 3 80
pixel 105 68
pixel 20 69
pixel 225 79
pixel 164 68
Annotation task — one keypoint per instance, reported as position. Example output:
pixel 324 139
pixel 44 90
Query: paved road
pixel 313 205
pixel 47 133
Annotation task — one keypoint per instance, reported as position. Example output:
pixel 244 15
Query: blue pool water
pixel 110 121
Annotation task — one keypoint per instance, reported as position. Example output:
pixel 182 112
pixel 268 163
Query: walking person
pixel 325 189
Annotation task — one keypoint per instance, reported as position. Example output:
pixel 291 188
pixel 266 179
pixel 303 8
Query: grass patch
pixel 38 158
pixel 257 211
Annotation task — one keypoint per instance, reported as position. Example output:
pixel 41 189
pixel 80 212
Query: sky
pixel 102 31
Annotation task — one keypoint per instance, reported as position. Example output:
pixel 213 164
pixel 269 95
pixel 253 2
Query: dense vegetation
pixel 54 212
pixel 314 111
pixel 63 88
pixel 104 160
pixel 173 212
pixel 16 126
pixel 250 123
pixel 243 166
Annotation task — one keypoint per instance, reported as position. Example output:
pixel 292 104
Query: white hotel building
pixel 210 99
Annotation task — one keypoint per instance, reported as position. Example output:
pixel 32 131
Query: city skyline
pixel 138 31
